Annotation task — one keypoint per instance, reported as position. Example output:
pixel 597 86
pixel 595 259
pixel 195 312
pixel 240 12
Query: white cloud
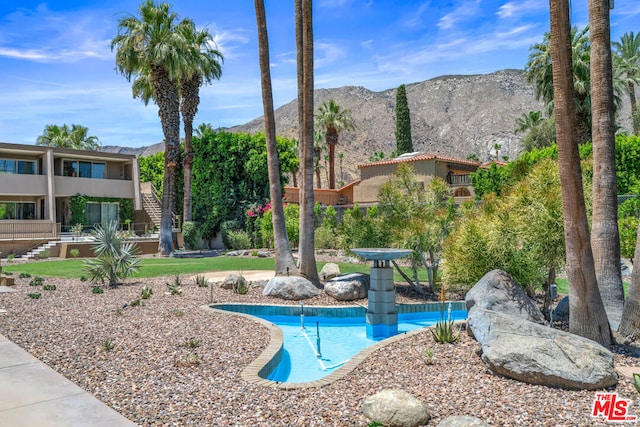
pixel 519 8
pixel 467 9
pixel 230 42
pixel 326 53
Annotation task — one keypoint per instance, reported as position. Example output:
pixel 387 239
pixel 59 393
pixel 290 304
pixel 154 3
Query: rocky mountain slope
pixel 450 115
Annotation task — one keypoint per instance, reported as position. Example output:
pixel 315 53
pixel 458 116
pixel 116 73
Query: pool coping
pixel 272 354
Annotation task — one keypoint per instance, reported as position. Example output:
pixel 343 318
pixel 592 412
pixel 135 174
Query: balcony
pixel 23 184
pixel 116 188
pixel 459 180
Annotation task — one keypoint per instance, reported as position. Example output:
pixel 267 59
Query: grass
pixel 155 267
pixel 563 286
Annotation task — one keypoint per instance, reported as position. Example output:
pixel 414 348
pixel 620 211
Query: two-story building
pixel 38 182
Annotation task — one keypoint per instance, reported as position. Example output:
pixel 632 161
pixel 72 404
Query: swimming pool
pixel 325 339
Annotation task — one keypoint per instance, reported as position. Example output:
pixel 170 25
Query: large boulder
pixel 561 312
pixel 395 408
pixel 497 291
pixel 348 287
pixel 290 288
pixel 536 354
pixel 462 421
pixel 329 271
pixel 231 281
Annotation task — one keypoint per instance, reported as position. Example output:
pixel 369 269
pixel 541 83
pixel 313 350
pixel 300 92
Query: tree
pixel 605 238
pixel 627 60
pixel 630 323
pixel 75 137
pixel 153 45
pixel 541 135
pixel 115 259
pixel 528 121
pixel 587 316
pixel 304 59
pixel 285 263
pixel 205 68
pixel 333 119
pixel 403 123
pixel 539 71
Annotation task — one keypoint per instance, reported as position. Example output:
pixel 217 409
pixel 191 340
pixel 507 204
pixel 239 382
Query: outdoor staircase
pixel 63 238
pixel 152 207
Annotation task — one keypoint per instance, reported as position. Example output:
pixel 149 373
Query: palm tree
pixel 151 44
pixel 587 314
pixel 333 119
pixel 76 137
pixel 605 237
pixel 304 56
pixel 317 157
pixel 528 121
pixel 540 72
pixel 204 69
pixel 285 263
pixel 627 61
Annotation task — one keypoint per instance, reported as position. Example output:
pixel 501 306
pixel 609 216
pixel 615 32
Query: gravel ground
pixel 153 377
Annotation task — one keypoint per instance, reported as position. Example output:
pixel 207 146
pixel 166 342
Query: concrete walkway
pixel 34 395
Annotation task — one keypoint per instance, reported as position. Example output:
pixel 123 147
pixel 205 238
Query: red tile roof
pixel 419 157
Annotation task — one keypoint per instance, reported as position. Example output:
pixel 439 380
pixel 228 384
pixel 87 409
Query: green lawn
pixel 563 286
pixel 154 267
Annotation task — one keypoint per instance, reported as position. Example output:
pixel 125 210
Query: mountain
pixel 451 115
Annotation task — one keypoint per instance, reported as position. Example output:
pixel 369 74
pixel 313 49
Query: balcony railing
pixel 28 229
pixel 456 180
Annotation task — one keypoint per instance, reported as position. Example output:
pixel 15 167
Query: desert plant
pixel 239 239
pixel 83 278
pixel 44 254
pixel 115 259
pixel 146 292
pixel 636 381
pixel 178 312
pixel 136 302
pixel 11 257
pixel 75 252
pixel 201 281
pixel 49 287
pixel 24 275
pixel 97 290
pixel 241 287
pixel 445 332
pixel 375 424
pixel 36 281
pixel 192 342
pixel 188 361
pixel 428 356
pixel 118 312
pixel 35 295
pixel 107 345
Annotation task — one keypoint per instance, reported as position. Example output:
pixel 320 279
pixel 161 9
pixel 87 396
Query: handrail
pixel 175 219
pixel 29 229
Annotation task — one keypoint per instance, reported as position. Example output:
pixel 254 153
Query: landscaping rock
pixel 264 254
pixel 329 271
pixel 6 280
pixel 497 291
pixel 561 312
pixel 258 283
pixel 536 354
pixel 231 281
pixel 395 408
pixel 237 253
pixel 348 287
pixel 462 421
pixel 290 288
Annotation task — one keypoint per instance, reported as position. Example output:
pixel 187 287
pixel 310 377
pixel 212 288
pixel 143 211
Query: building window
pixel 461 192
pixel 83 169
pixel 23 167
pixel 101 212
pixel 17 210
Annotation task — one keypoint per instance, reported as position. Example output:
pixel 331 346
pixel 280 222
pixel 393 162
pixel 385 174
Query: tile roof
pixel 416 157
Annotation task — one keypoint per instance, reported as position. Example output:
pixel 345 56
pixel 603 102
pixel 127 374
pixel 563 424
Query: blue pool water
pixel 305 358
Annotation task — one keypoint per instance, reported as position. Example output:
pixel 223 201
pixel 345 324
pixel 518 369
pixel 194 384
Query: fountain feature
pixel 318 352
pixel 382 315
pixel 302 315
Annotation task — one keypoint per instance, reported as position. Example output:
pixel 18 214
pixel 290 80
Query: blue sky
pixel 56 65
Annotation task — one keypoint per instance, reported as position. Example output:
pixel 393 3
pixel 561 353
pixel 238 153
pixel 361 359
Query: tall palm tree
pixel 605 238
pixel 333 119
pixel 627 61
pixel 285 263
pixel 75 137
pixel 540 72
pixel 304 57
pixel 206 67
pixel 152 44
pixel 587 316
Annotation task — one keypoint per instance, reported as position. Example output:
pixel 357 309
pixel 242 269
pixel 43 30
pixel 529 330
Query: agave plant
pixel 115 259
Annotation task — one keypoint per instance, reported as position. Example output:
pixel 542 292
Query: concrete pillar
pixel 50 200
pixel 382 315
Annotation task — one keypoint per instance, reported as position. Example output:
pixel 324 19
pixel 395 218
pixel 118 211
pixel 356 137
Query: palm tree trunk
pixel 587 316
pixel 188 167
pixel 304 42
pixel 166 93
pixel 605 238
pixel 285 263
pixel 630 323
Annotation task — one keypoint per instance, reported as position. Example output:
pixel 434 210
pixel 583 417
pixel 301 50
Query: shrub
pixel 108 345
pixel 75 252
pixel 97 290
pixel 49 287
pixel 36 281
pixel 146 292
pixel 136 302
pixel 44 254
pixel 325 238
pixel 241 287
pixel 192 343
pixel 175 287
pixel 35 295
pixel 192 235
pixel 225 228
pixel 115 259
pixel 24 275
pixel 239 239
pixel 11 257
pixel 445 332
